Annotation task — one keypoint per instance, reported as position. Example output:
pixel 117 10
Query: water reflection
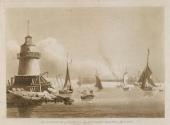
pixel 25 112
pixel 110 102
pixel 148 94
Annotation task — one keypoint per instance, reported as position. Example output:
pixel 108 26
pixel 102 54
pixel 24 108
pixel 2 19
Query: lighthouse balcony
pixel 35 55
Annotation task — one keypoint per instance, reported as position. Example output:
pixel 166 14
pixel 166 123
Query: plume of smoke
pixel 107 59
pixel 53 55
pixel 109 65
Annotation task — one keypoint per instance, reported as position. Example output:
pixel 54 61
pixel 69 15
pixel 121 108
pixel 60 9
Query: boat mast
pixel 146 70
pixel 28 27
pixel 57 80
pixel 67 78
pixel 148 57
pixel 61 81
pixel 39 83
pixel 65 84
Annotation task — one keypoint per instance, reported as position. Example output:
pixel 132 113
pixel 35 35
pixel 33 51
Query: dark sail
pixel 146 75
pixel 98 83
pixel 67 84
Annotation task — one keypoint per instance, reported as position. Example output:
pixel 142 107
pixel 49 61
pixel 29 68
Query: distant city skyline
pixel 111 39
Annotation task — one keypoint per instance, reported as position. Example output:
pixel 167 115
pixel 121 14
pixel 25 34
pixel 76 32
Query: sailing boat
pixel 87 96
pixel 67 89
pixel 98 83
pixel 125 78
pixel 145 78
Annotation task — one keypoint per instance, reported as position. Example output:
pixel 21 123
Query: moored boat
pixel 124 83
pixel 98 83
pixel 86 95
pixel 67 88
pixel 145 79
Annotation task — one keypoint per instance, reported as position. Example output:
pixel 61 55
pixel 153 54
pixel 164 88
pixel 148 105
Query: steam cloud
pixel 54 60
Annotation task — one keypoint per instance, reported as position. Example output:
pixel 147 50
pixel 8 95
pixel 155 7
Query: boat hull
pixel 65 92
pixel 126 88
pixel 147 89
pixel 87 97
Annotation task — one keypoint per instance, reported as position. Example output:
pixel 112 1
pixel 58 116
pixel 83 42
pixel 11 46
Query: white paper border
pixel 82 3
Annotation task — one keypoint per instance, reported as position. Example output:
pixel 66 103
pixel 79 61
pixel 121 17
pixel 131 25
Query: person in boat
pixel 84 92
pixel 69 88
pixel 87 95
pixel 91 92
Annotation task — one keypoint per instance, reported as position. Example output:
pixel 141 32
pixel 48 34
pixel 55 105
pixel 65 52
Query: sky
pixel 102 39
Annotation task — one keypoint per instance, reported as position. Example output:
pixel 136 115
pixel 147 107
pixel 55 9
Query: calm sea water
pixel 111 102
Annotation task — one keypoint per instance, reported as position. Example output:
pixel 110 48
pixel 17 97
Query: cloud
pixel 54 60
pixel 53 55
pixel 52 49
pixel 12 48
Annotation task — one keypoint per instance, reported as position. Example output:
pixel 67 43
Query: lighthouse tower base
pixel 24 81
pixel 29 67
pixel 34 83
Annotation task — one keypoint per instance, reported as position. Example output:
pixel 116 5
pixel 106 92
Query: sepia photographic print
pixel 85 62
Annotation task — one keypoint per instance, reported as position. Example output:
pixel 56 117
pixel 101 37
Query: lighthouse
pixel 28 58
pixel 29 76
pixel 29 68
